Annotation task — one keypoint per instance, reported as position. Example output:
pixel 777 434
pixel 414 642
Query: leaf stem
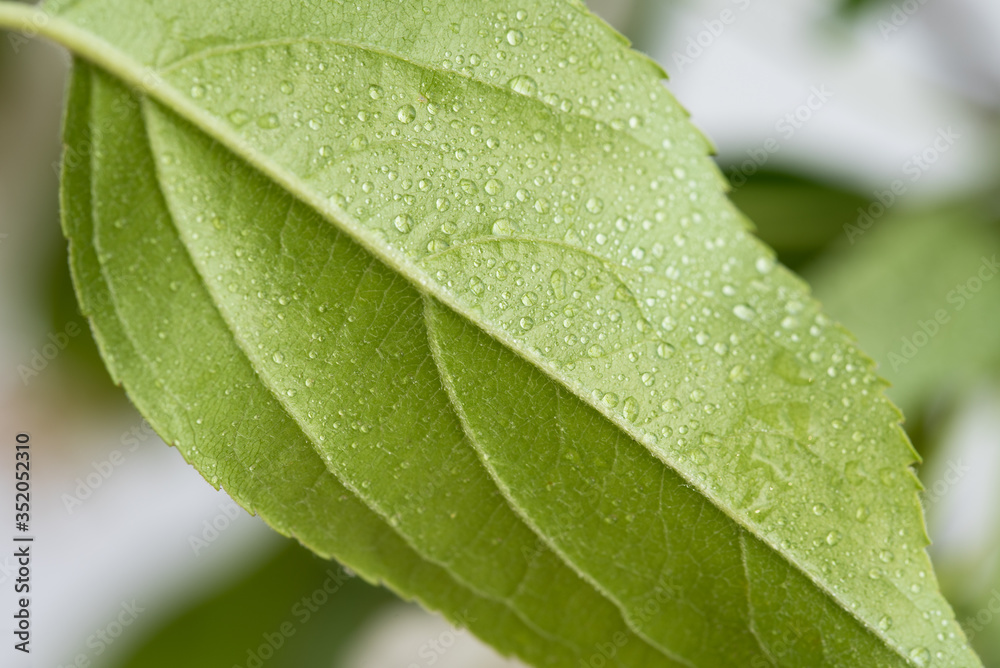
pixel 25 19
pixel 31 21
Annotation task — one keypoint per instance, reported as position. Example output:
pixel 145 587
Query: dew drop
pixel 268 121
pixel 524 85
pixel 743 312
pixel 558 282
pixel 787 367
pixel 631 409
pixel 403 223
pixel 504 228
pixel 833 537
pixel 238 117
pixel 514 37
pixel 406 113
pixel 921 656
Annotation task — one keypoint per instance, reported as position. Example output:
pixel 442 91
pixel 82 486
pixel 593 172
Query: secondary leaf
pixel 367 265
pixel 795 215
pixel 929 331
pixel 305 609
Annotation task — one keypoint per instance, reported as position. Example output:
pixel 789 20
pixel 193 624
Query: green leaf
pixel 452 293
pixel 857 8
pixel 980 613
pixel 795 215
pixel 305 609
pixel 931 332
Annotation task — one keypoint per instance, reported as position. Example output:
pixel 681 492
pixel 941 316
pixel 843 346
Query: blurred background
pixel 861 136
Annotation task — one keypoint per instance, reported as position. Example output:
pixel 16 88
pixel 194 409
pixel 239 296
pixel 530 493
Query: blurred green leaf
pixel 302 608
pixel 796 215
pixel 853 8
pixel 973 586
pixel 982 621
pixel 907 289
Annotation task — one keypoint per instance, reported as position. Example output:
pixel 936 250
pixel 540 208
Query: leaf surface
pixel 452 292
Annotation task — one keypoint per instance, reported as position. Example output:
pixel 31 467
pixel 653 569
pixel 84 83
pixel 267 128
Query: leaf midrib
pixel 210 52
pixel 104 55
